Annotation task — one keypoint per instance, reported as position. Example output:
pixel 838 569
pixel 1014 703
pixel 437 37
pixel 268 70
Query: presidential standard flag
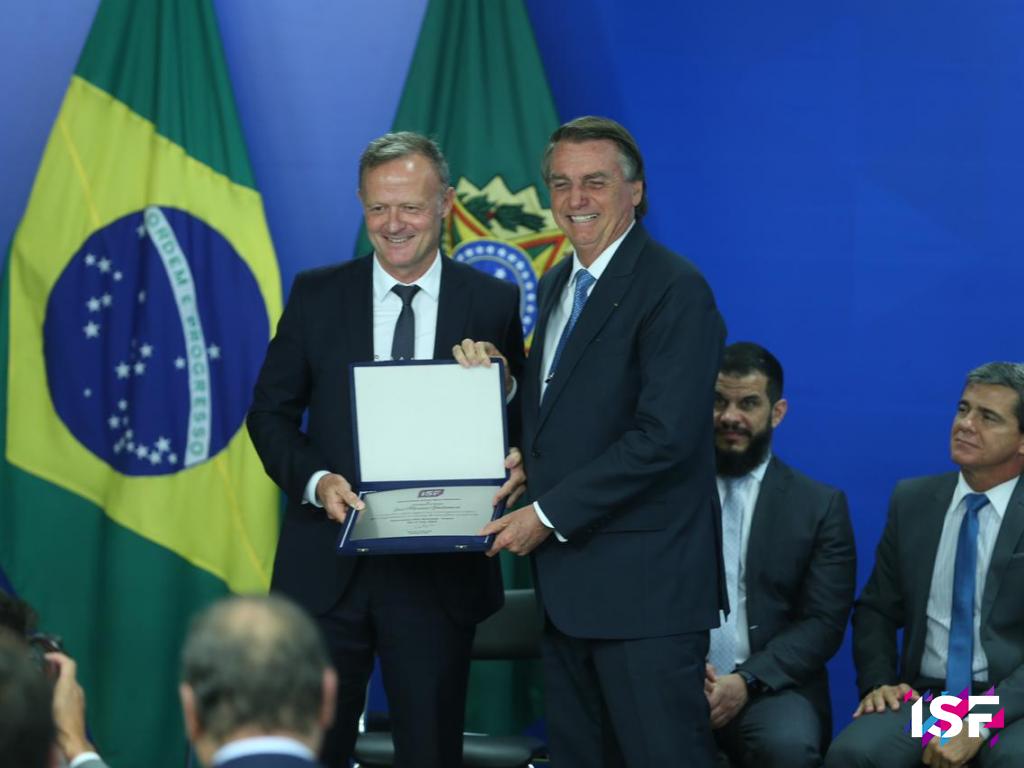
pixel 140 291
pixel 477 86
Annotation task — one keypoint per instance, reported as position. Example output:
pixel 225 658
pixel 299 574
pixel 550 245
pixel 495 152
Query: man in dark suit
pixel 791 571
pixel 257 688
pixel 949 572
pixel 418 612
pixel 617 440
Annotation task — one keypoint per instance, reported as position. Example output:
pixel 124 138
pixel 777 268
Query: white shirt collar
pixel 998 497
pixel 429 282
pixel 262 745
pixel 601 262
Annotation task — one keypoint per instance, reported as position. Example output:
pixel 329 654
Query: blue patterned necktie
pixel 960 657
pixel 403 343
pixel 722 652
pixel 583 282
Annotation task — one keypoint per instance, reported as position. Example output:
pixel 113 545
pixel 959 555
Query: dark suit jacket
pixel 620 452
pixel 896 595
pixel 800 578
pixel 328 324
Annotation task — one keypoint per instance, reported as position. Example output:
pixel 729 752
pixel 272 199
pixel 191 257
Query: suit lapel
pixel 1010 532
pixel 559 275
pixel 768 512
pixel 604 300
pixel 454 304
pixel 926 547
pixel 357 296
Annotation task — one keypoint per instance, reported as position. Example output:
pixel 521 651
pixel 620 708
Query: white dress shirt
pixel 262 745
pixel 556 324
pixel 386 307
pixel 746 490
pixel 940 595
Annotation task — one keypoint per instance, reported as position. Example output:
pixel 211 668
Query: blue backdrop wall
pixel 846 175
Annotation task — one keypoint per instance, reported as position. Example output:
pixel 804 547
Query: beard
pixel 732 464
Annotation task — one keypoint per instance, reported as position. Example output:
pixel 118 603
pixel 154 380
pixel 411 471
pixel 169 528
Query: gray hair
pixel 591 128
pixel 1004 375
pixel 392 146
pixel 255 661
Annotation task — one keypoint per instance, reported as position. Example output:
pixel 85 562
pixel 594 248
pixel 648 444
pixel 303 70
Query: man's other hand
pixel 519 531
pixel 516 483
pixel 885 697
pixel 336 495
pixel 472 353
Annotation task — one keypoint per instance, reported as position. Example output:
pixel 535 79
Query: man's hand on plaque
pixel 519 531
pixel 516 483
pixel 337 496
pixel 472 353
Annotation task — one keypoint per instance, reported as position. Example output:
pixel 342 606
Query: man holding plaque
pixel 417 612
pixel 618 445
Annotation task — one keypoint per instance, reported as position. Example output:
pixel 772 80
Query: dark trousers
pixel 637 703
pixel 391 607
pixel 775 730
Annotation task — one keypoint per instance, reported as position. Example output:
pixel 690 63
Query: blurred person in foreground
pixel 257 688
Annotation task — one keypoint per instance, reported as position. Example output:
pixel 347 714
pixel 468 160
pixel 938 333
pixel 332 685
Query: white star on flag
pixel 214 352
pixel 122 370
pixel 146 350
pixel 142 297
pixel 163 444
pixel 90 259
pixel 140 368
pixel 179 363
pixel 92 330
pixel 93 304
pixel 118 276
pixel 104 264
pixel 113 421
pixel 154 458
pixel 106 299
pixel 141 452
pixel 172 458
pixel 123 405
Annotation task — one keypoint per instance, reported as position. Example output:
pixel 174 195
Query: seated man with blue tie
pixel 791 572
pixel 949 572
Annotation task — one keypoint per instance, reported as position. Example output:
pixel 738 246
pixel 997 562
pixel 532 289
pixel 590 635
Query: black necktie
pixel 403 347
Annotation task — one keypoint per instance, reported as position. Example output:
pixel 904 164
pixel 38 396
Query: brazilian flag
pixel 140 291
pixel 477 86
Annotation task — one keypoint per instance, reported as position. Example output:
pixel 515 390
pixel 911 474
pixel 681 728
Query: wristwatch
pixel 754 686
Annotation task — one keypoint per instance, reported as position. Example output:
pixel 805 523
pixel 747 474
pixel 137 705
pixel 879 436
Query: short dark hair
pixel 16 615
pixel 255 661
pixel 1004 375
pixel 27 730
pixel 591 128
pixel 398 144
pixel 746 357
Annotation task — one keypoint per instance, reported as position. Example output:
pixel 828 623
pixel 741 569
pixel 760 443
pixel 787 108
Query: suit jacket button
pixel 535 454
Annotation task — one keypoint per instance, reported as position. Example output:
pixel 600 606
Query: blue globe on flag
pixel 153 337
